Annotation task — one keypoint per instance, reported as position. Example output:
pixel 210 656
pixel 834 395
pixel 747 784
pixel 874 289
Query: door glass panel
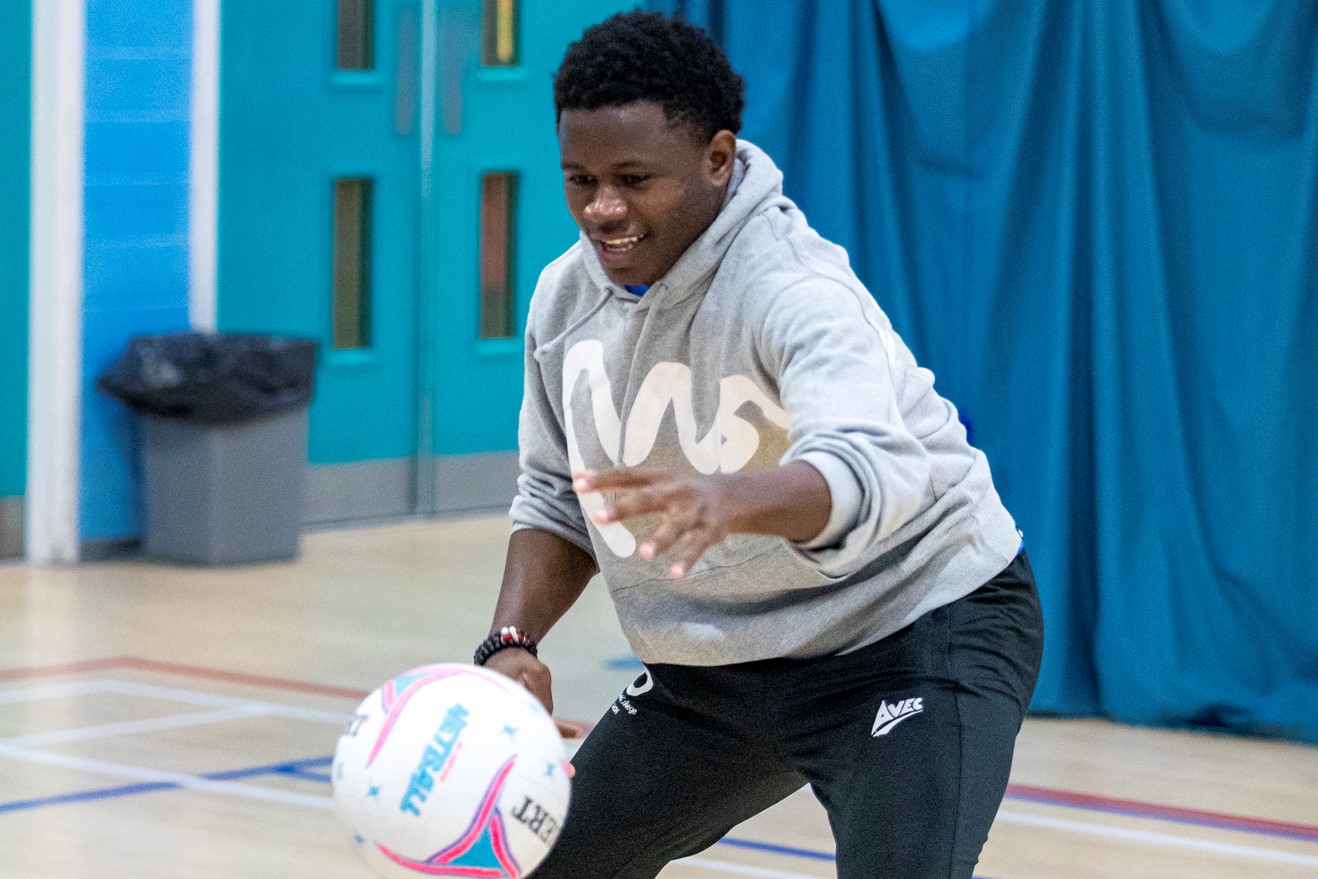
pixel 498 193
pixel 500 33
pixel 352 274
pixel 356 47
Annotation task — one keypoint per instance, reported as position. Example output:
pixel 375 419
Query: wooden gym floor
pixel 158 721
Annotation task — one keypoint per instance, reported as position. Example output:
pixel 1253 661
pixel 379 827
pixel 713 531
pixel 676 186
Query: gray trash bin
pixel 223 420
pixel 224 494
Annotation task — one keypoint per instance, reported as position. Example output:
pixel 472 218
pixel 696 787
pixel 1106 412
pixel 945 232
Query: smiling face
pixel 641 186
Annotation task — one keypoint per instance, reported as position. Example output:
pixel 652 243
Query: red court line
pixel 67 668
pixel 137 663
pixel 233 677
pixel 1143 809
pixel 571 729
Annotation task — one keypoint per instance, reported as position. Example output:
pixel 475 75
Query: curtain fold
pixel 1097 222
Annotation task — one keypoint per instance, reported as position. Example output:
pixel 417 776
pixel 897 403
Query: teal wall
pixel 15 92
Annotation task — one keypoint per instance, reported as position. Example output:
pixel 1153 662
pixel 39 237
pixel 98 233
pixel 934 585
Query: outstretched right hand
pixel 521 666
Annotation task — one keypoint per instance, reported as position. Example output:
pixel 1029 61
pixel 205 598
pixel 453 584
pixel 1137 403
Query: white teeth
pixel 623 242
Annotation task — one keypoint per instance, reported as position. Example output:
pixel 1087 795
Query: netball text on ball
pixel 434 758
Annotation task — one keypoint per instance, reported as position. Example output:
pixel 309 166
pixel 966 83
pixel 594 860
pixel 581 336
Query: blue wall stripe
pixel 135 267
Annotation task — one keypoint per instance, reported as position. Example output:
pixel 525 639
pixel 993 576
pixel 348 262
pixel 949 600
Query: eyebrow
pixel 616 166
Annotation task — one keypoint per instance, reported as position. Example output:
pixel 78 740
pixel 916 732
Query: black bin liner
pixel 212 378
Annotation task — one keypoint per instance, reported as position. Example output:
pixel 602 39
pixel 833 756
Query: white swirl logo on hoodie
pixel 726 446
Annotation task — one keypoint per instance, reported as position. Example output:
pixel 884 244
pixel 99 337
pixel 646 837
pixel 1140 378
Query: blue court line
pixel 272 769
pixel 778 849
pixel 298 772
pixel 128 790
pixel 297 768
pixel 787 850
pixel 88 795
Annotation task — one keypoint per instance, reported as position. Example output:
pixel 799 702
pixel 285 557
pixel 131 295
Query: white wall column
pixel 59 43
pixel 204 176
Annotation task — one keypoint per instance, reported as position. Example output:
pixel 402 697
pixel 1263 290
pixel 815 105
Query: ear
pixel 719 156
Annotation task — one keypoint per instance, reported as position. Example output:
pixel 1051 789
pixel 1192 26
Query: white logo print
pixel 891 715
pixel 641 685
pixel 638 687
pixel 726 447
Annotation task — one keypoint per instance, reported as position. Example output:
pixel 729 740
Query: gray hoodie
pixel 759 347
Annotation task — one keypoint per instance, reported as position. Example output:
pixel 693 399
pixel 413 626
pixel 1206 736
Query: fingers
pixel 667 534
pixel 691 518
pixel 687 552
pixel 538 685
pixel 622 477
pixel 634 492
pixel 526 670
pixel 684 539
pixel 570 729
pixel 628 504
pixel 535 677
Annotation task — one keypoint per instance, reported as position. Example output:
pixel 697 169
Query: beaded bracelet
pixel 508 636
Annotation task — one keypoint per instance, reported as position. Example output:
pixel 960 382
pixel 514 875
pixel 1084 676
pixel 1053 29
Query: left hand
pixel 695 511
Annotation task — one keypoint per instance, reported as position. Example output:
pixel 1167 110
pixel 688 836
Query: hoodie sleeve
pixel 840 369
pixel 545 499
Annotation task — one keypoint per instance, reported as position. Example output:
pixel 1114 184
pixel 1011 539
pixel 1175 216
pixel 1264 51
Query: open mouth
pixel 618 246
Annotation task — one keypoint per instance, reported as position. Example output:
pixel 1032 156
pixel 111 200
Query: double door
pixel 15 129
pixel 389 186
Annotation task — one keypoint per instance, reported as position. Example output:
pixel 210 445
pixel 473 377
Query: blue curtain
pixel 1097 222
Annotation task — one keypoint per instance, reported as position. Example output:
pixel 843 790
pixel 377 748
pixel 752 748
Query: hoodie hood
pixel 756 186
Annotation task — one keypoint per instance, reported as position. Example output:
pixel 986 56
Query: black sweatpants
pixel 907 743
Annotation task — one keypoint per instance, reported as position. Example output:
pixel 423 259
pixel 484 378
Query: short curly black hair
pixel 646 56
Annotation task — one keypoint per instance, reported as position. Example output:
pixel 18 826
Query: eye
pixel 580 179
pixel 634 179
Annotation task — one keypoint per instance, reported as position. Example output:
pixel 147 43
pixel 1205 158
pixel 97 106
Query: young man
pixel 804 551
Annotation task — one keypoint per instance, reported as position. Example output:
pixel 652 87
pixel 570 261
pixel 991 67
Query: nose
pixel 606 207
